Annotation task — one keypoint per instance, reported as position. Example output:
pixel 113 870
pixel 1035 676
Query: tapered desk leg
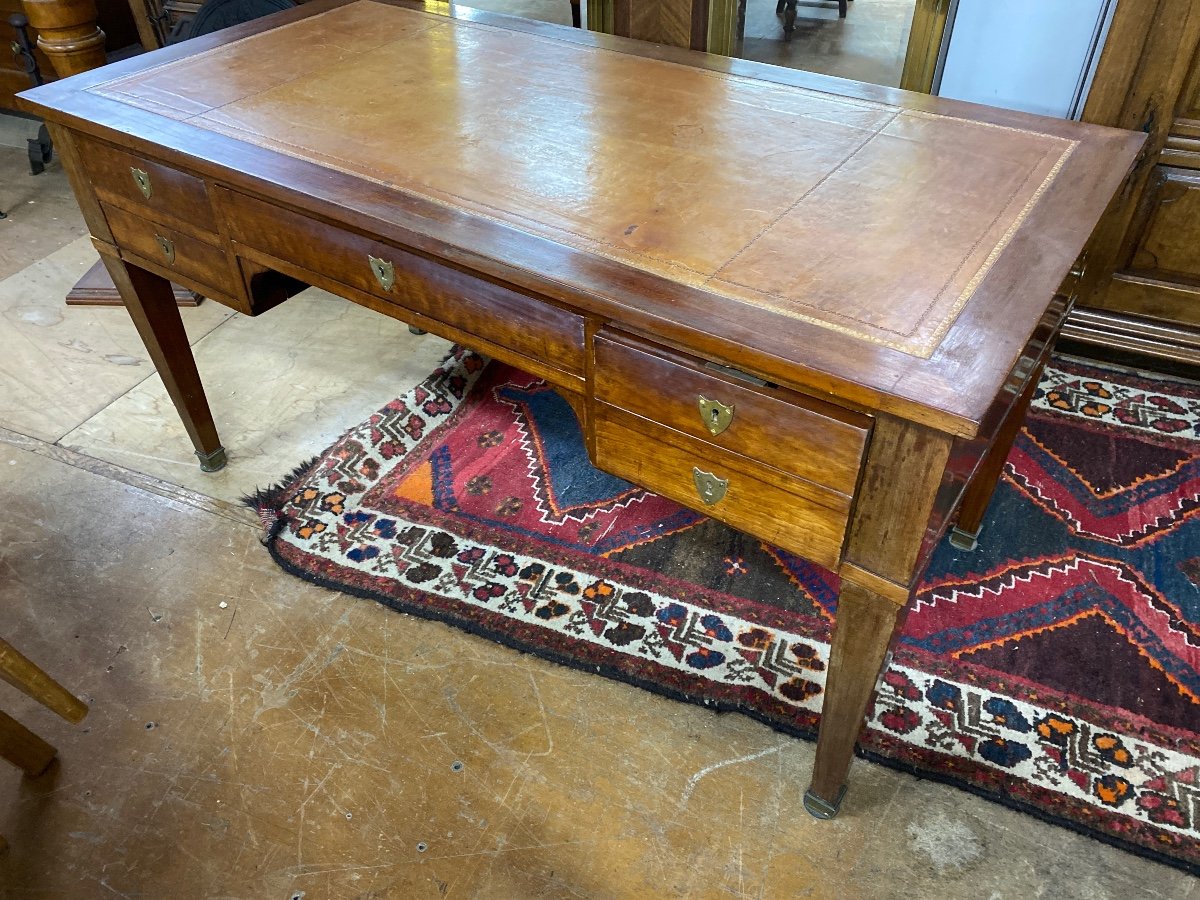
pixel 865 626
pixel 898 494
pixel 977 496
pixel 151 303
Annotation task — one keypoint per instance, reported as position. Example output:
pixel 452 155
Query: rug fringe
pixel 268 502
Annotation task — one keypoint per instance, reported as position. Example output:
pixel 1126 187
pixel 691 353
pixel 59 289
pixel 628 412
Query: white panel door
pixel 1033 55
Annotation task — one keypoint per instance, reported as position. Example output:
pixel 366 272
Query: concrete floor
pixel 868 45
pixel 253 736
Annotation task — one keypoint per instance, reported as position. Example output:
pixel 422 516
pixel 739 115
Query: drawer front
pixel 146 187
pixel 781 428
pixel 180 253
pixel 530 327
pixel 788 512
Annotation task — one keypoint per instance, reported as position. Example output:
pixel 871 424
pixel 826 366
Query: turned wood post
pixel 67 34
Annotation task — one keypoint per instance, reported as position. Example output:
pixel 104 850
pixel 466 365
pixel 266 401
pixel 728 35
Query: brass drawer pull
pixel 715 415
pixel 709 486
pixel 142 179
pixel 167 247
pixel 384 272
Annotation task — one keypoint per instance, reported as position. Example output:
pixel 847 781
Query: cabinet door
pixel 1142 291
pixel 1169 247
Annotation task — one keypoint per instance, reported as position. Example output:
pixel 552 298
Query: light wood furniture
pixel 862 279
pixel 18 744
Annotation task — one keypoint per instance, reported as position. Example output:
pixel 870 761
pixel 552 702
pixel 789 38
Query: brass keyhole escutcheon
pixel 384 271
pixel 715 415
pixel 167 247
pixel 709 486
pixel 142 179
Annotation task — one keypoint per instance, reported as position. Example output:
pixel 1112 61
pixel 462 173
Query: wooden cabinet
pixel 1142 290
pixel 114 19
pixel 1168 248
pixel 13 77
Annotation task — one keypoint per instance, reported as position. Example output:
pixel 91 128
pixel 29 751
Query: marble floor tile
pixel 41 213
pixel 282 387
pixel 60 365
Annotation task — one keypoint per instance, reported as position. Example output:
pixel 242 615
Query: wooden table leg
pixel 978 494
pixel 866 624
pixel 151 304
pixel 886 551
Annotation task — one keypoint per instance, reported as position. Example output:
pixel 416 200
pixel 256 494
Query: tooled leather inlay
pixel 868 219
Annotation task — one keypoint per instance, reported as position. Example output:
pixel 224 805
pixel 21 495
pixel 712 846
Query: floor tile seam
pixel 111 401
pixel 139 481
pixel 43 253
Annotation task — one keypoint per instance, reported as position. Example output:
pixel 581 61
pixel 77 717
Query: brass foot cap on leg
pixel 965 540
pixel 823 809
pixel 212 462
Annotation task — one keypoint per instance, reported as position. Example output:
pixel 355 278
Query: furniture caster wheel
pixel 413 329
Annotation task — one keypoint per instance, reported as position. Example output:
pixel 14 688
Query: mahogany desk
pixel 810 308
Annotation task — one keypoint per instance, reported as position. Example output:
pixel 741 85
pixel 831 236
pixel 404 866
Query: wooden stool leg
pixel 862 632
pixel 23 748
pixel 977 496
pixel 33 682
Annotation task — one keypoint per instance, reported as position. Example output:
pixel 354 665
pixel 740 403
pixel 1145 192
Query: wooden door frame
pixel 929 22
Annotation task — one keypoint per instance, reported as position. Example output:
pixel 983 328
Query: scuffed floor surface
pixel 254 736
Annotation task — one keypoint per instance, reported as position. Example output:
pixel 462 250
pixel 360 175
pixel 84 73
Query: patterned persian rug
pixel 1056 669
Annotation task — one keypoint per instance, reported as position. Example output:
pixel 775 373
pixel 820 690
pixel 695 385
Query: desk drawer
pixel 796 434
pixel 795 514
pixel 532 328
pixel 148 188
pixel 180 253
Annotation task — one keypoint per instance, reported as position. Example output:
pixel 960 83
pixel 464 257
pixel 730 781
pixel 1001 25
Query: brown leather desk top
pixel 893 250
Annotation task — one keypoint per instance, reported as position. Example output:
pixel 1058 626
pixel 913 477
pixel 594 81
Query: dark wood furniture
pixel 513 186
pixel 71 36
pixel 1142 289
